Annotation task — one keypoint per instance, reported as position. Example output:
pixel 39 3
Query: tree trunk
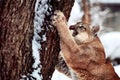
pixel 16 32
pixel 50 48
pixel 86 18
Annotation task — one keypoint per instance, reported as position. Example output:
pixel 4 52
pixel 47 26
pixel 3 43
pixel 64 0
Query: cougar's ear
pixel 95 29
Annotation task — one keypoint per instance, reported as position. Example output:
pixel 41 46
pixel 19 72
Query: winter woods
pixel 29 44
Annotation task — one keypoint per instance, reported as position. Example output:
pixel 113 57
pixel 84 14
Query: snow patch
pixel 117 70
pixel 111 43
pixel 59 76
pixel 41 8
pixel 76 14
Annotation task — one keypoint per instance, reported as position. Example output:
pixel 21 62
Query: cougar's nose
pixel 72 27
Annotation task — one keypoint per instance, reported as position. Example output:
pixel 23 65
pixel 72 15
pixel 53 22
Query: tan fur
pixel 83 52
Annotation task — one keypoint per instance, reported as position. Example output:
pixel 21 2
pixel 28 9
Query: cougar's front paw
pixel 58 17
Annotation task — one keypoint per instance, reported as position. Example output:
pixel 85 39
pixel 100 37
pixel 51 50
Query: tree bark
pixel 50 48
pixel 16 32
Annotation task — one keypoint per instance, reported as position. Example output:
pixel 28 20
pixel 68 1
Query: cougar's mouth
pixel 74 30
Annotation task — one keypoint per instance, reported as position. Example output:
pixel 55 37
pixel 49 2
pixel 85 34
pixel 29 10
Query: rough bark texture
pixel 16 32
pixel 50 48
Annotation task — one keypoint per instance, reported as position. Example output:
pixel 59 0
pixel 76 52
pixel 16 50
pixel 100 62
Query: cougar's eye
pixel 82 28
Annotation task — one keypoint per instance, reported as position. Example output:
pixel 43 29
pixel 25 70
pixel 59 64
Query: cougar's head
pixel 83 32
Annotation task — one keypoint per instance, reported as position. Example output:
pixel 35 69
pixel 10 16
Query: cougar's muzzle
pixel 74 30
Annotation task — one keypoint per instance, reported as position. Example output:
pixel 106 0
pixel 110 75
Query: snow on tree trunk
pixel 16 32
